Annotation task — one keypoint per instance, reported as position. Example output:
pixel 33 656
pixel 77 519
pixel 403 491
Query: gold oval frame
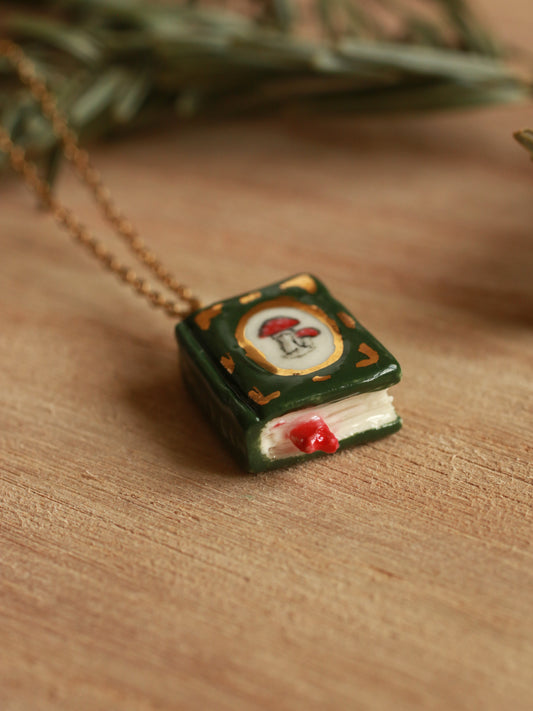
pixel 259 357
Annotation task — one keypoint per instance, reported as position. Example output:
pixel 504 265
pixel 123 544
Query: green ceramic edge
pixel 230 417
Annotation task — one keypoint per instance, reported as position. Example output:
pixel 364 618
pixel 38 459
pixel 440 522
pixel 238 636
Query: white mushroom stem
pixel 305 341
pixel 287 341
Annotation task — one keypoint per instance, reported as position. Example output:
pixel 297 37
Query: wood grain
pixel 139 569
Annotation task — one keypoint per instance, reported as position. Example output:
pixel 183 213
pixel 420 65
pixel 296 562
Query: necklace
pixel 284 372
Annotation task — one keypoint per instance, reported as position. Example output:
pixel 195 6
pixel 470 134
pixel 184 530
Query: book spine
pixel 236 423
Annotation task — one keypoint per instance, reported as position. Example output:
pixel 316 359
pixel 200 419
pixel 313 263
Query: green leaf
pixel 525 138
pixel 131 94
pixel 98 97
pixel 74 42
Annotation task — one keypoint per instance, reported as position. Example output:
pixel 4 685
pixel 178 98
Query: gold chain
pixel 27 74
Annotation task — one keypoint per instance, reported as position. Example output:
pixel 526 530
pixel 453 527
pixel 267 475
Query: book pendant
pixel 286 373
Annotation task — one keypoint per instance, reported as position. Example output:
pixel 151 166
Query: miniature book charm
pixel 286 373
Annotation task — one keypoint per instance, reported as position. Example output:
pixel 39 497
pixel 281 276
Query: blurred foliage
pixel 119 63
pixel 525 138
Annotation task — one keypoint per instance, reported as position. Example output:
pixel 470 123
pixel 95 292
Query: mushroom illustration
pixel 281 329
pixel 292 343
pixel 306 334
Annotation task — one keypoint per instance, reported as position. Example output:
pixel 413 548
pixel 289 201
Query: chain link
pixel 79 158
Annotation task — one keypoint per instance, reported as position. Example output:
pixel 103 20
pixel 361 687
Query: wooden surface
pixel 139 568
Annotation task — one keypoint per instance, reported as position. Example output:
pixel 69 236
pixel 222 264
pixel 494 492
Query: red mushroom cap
pixel 309 331
pixel 276 325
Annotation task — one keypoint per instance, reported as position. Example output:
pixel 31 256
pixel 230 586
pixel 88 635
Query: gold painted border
pixel 259 357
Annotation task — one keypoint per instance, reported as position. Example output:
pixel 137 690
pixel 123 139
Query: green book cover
pixel 281 354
